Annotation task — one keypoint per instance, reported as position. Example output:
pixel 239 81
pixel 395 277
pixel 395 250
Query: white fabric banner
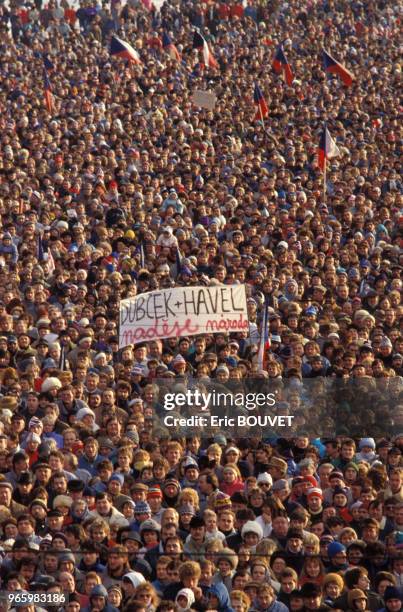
pixel 182 311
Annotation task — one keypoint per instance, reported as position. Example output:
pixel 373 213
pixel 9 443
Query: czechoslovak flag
pixel 48 95
pixel 201 43
pixel 260 101
pixel 120 48
pixel 170 48
pixel 327 149
pixel 280 64
pixel 334 67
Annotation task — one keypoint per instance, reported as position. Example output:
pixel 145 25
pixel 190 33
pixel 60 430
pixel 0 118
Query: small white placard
pixel 205 99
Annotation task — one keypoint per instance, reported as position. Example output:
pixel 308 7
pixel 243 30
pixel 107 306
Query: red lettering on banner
pixel 227 324
pixel 159 330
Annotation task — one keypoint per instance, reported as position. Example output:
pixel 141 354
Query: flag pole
pixel 263 126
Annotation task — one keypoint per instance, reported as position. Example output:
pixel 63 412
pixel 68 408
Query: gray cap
pixel 279 485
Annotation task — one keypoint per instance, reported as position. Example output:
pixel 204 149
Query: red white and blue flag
pixel 334 67
pixel 120 48
pixel 264 342
pixel 260 101
pixel 281 65
pixel 327 149
pixel 47 92
pixel 199 42
pixel 170 48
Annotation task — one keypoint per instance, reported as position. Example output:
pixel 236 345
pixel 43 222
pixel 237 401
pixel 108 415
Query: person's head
pixel 357 577
pixel 295 540
pixel 393 599
pixel 240 602
pixel 311 594
pixel 382 580
pixel 288 580
pixel 130 582
pixel 115 596
pixel 265 596
pixel 337 554
pixel 146 594
pixel 189 574
pixel 357 599
pixel 117 558
pixel 184 599
pixel 258 569
pixel 197 528
pixel 91 579
pixel 333 585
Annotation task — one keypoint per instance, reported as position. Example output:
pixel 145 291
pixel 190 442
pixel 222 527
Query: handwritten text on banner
pixel 183 311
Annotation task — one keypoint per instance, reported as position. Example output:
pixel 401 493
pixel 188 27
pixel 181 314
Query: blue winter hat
pixel 334 549
pixel 367 442
pixel 142 508
pixel 391 592
pixel 381 228
pixel 99 591
pixel 119 477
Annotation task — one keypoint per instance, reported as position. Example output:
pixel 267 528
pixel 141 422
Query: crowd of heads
pixel 114 183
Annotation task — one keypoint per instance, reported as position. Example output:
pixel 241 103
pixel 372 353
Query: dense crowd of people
pixel 113 183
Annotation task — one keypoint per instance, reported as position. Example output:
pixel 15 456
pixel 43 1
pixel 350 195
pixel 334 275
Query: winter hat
pixel 38 502
pixel 315 492
pixel 187 509
pixel 367 442
pixel 188 593
pixel 391 592
pixel 99 591
pixel 135 578
pixel 118 477
pixel 150 525
pixel 142 507
pixel 171 481
pixel 353 595
pixel 50 383
pixel 266 478
pixel 252 527
pixel 83 412
pixel 351 465
pixel 154 493
pixel 335 548
pixel 222 502
pixel 62 501
pixel 35 422
pixel 280 484
pixel 339 491
pixel 228 555
pixel 189 462
pixel 333 577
